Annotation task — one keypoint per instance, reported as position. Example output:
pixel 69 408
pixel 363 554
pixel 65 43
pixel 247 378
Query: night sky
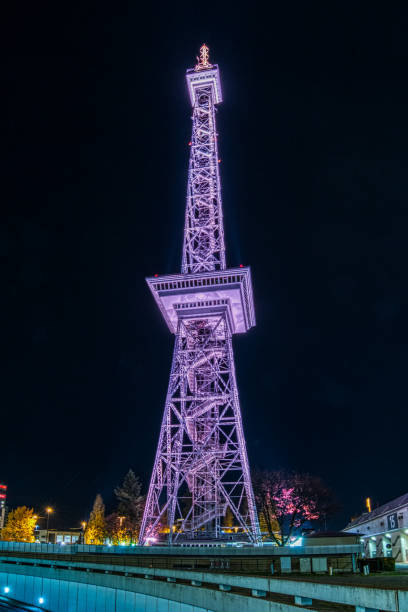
pixel 95 124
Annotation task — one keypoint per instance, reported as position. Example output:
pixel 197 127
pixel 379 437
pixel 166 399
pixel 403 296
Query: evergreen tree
pixel 20 525
pixel 130 509
pixel 229 518
pixel 95 532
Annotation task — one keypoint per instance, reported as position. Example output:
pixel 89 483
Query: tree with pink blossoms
pixel 288 500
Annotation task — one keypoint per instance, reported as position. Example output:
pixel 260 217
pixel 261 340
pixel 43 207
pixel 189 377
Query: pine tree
pixel 20 525
pixel 229 518
pixel 96 529
pixel 130 508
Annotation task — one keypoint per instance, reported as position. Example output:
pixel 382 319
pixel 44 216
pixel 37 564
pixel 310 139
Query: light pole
pixel 48 511
pixel 36 517
pixel 83 531
pixel 121 519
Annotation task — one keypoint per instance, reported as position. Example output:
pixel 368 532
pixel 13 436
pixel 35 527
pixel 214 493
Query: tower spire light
pixel 203 63
pixel 201 467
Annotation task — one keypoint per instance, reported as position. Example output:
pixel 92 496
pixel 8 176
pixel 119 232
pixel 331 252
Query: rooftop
pixel 329 534
pixel 377 512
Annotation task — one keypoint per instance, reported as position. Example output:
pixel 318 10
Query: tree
pixel 95 532
pixel 20 525
pixel 287 500
pixel 126 521
pixel 229 518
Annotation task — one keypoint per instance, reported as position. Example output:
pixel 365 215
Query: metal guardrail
pixel 249 551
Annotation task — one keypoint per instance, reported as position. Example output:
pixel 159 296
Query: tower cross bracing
pixel 201 466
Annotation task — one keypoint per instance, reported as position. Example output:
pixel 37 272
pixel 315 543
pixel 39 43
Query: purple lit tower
pixel 201 466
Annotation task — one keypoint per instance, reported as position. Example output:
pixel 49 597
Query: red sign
pixel 3 486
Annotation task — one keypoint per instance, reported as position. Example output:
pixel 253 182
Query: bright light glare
pixel 296 541
pixel 41 600
pixel 7 589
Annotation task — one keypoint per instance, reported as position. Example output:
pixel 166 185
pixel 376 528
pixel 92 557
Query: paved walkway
pixel 401 567
pixel 385 580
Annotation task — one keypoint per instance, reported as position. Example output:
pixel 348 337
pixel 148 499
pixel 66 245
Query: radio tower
pixel 201 466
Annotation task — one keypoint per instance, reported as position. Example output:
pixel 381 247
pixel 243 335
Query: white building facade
pixel 58 536
pixel 384 531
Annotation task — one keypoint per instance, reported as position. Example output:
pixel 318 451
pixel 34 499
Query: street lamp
pixel 48 511
pixel 36 517
pixel 121 519
pixel 83 531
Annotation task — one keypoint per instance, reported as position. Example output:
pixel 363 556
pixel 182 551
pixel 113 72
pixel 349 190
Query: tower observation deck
pixel 201 467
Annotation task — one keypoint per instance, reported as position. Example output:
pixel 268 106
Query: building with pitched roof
pixel 384 531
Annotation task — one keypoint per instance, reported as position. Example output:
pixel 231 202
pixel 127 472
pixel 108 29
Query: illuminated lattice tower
pixel 201 467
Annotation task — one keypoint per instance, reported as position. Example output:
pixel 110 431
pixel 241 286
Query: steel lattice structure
pixel 203 231
pixel 201 466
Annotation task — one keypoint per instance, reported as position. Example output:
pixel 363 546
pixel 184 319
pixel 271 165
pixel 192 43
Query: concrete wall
pixel 63 596
pixel 88 593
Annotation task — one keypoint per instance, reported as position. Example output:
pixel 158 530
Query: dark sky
pixel 95 122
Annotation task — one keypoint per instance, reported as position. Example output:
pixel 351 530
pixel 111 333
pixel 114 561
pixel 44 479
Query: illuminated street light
pixel 48 511
pixel 83 524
